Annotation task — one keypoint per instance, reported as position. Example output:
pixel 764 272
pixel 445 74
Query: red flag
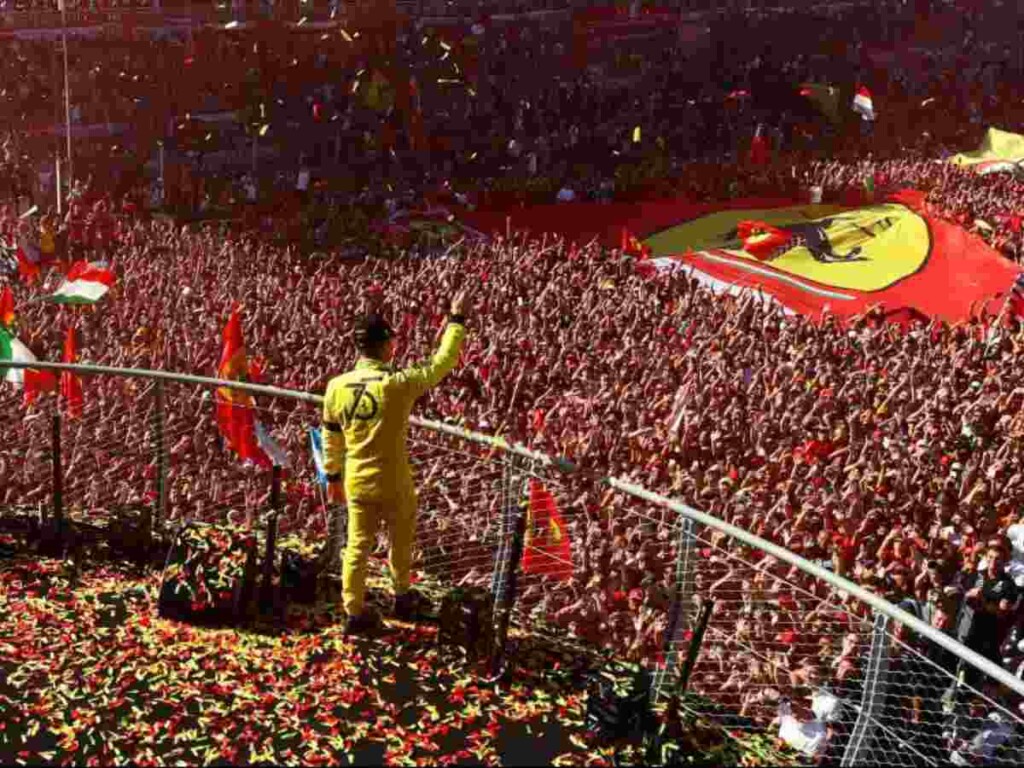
pixel 761 240
pixel 70 384
pixel 538 420
pixel 235 408
pixel 38 382
pixel 759 148
pixel 632 246
pixel 28 270
pixel 547 550
pixel 91 272
pixel 7 307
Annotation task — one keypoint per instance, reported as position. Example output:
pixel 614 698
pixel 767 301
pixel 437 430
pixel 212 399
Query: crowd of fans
pixel 484 110
pixel 889 455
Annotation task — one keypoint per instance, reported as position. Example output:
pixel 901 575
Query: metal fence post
pixel 873 696
pixel 337 523
pixel 509 556
pixel 275 488
pixel 160 503
pixel 267 590
pixel 679 616
pixel 58 479
pixel 329 565
pixel 497 576
pixel 694 649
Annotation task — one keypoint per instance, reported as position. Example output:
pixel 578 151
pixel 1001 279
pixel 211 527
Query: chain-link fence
pixel 24 457
pixel 778 642
pixel 754 637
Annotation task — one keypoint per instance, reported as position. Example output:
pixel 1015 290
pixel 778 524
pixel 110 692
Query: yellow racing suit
pixel 365 425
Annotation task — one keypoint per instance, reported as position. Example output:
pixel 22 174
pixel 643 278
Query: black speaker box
pixel 466 621
pixel 618 705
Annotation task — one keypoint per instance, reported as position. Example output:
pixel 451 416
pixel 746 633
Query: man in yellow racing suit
pixel 365 424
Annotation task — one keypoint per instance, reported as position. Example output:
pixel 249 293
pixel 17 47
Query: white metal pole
pixel 59 201
pixel 67 94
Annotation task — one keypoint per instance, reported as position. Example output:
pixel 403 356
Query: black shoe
pixel 410 606
pixel 365 622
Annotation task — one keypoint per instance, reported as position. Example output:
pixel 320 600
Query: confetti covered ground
pixel 90 674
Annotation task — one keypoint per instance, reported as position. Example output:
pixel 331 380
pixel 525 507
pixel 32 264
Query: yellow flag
pixel 999 151
pixel 636 135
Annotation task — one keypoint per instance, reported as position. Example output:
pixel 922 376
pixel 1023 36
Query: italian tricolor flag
pixel 863 104
pixel 31 380
pixel 86 283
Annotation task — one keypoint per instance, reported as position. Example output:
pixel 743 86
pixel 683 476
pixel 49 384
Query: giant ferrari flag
pixel 841 259
pixel 808 258
pixel 999 151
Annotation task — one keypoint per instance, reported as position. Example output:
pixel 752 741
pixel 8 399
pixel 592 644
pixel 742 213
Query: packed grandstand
pixel 785 294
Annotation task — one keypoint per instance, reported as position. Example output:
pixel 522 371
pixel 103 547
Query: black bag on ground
pixel 619 701
pixel 209 575
pixel 299 577
pixel 466 621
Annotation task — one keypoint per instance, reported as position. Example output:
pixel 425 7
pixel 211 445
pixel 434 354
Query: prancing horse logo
pixel 814 236
pixel 864 249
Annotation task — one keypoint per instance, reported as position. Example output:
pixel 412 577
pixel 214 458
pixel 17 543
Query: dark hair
pixel 372 332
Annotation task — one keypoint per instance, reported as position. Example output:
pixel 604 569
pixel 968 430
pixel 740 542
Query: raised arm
pixel 418 379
